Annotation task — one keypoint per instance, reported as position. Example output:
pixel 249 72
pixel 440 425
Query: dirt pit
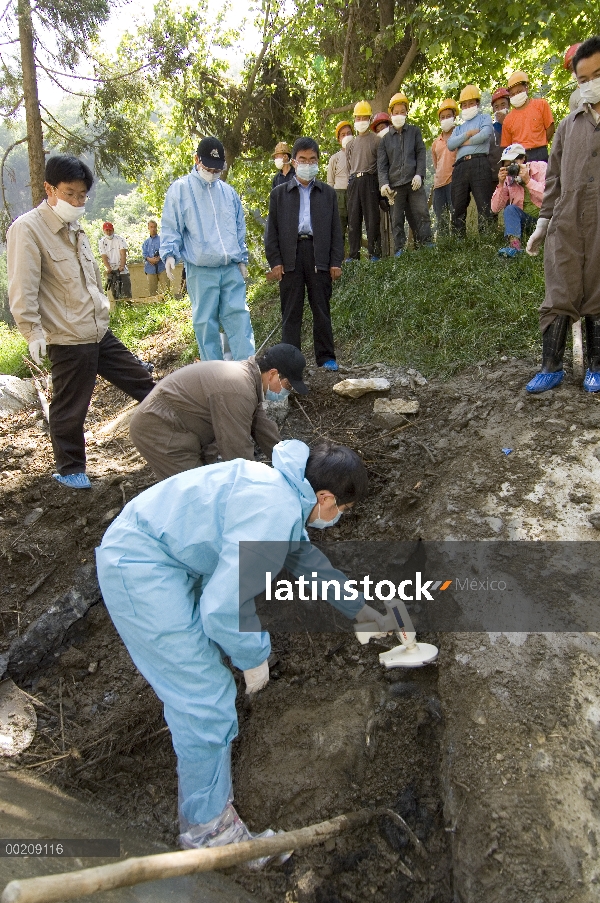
pixel 332 732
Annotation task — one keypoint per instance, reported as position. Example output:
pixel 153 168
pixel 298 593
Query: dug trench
pixel 475 751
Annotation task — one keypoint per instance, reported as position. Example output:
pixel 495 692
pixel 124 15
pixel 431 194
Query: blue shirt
pixel 304 220
pixel 479 143
pixel 150 249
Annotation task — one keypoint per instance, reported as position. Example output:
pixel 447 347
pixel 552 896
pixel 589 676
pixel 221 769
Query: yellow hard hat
pixel 516 78
pixel 397 98
pixel 469 92
pixel 363 108
pixel 449 104
pixel 340 126
pixel 282 147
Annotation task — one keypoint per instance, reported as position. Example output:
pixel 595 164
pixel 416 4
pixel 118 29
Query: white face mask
pixel 447 124
pixel 279 162
pixel 519 99
pixel 469 113
pixel 590 91
pixel 67 212
pixel 399 120
pixel 206 175
pixel 384 131
pixel 320 524
pixel 361 126
pixel 346 139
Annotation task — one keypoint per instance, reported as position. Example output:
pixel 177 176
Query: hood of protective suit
pixel 289 458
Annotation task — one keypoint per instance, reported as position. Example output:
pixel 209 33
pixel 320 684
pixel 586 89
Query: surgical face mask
pixel 279 161
pixel 361 126
pixel 517 100
pixel 384 131
pixel 67 212
pixel 307 171
pixel 447 124
pixel 399 120
pixel 320 524
pixel 206 175
pixel 590 91
pixel 277 396
pixel 469 113
pixel 345 140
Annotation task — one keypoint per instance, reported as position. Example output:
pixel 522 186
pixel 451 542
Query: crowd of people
pixel 168 566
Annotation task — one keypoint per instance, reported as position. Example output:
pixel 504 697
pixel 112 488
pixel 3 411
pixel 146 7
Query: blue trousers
pixel 442 206
pixel 516 220
pixel 218 294
pixel 153 602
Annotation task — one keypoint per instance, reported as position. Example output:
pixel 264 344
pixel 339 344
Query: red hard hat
pixel 570 54
pixel 378 118
pixel 499 93
pixel 108 226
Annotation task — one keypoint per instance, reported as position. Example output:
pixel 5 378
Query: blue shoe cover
pixel 350 260
pixel 399 253
pixel 591 382
pixel 374 258
pixel 510 252
pixel 73 480
pixel 541 382
pixel 330 365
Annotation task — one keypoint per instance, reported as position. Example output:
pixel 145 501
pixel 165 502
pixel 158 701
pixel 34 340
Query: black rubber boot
pixel 592 340
pixel 554 340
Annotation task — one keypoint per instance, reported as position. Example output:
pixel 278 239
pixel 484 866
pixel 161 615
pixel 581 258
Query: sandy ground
pixel 490 754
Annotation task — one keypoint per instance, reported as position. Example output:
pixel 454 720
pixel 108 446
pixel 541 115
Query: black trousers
pixel 411 205
pixel 74 371
pixel 291 291
pixel 471 177
pixel 363 203
pixel 538 153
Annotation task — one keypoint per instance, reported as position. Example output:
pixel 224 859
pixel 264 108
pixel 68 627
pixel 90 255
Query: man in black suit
pixel 305 249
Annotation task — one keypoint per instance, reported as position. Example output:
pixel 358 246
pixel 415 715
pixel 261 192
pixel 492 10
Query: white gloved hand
pixel 256 678
pixel 416 183
pixel 170 267
pixel 536 239
pixel 243 270
pixel 387 192
pixel 367 614
pixel 37 350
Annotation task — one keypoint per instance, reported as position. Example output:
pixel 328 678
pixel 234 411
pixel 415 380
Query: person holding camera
pixel 519 193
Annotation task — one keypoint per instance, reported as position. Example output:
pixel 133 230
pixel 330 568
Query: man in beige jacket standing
pixel 55 295
pixel 215 407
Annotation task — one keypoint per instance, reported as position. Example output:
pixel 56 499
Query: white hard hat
pixel 513 151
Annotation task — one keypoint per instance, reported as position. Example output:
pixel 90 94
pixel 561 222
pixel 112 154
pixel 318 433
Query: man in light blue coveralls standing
pixel 203 225
pixel 169 571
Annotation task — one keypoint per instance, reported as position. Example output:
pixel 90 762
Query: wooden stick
pixel 577 351
pixel 69 885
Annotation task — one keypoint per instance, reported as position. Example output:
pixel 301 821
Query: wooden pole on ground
pixel 69 885
pixel 577 351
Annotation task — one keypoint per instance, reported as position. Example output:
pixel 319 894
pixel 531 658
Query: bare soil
pixel 332 732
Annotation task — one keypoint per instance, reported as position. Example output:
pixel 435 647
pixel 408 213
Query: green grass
pixel 12 348
pixel 434 309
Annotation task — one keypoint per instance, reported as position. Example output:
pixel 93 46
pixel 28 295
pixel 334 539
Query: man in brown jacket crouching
pixel 215 407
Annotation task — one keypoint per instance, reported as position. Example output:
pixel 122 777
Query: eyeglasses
pixel 71 196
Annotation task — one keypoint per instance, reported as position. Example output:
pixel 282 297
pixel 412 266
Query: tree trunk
pixel 35 136
pixel 381 99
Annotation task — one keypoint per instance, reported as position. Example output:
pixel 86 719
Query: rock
pixel 16 395
pixel 580 497
pixel 596 452
pixel 18 720
pixel 277 411
pixel 555 426
pixel 396 406
pixel 594 519
pixel 354 388
pixel 33 516
pixel 110 515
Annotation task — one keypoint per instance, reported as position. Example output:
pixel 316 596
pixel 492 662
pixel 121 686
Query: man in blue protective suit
pixel 203 225
pixel 168 567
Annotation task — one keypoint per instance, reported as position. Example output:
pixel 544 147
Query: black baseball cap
pixel 211 153
pixel 290 362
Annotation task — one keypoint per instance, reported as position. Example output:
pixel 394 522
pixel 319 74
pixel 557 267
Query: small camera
pixel 513 169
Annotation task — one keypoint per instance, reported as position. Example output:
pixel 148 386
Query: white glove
pixel 370 614
pixel 37 350
pixel 170 267
pixel 386 192
pixel 416 183
pixel 536 239
pixel 243 270
pixel 257 678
